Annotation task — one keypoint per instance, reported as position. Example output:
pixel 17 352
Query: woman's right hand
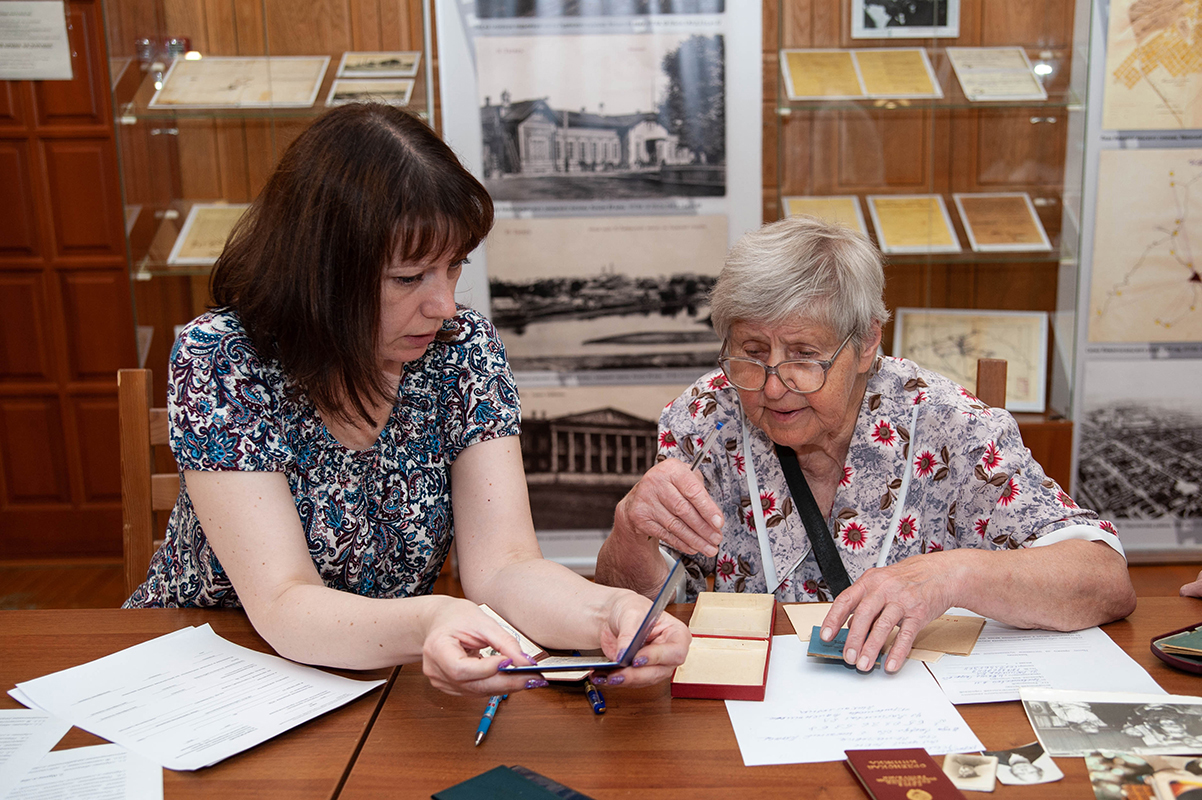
pixel 456 631
pixel 1193 589
pixel 670 503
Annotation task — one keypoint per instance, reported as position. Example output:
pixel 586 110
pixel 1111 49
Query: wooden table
pixel 310 761
pixel 648 745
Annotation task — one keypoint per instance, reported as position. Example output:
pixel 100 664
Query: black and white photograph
pixel 1078 723
pixel 392 92
pixel 598 293
pixel 377 64
pixel 971 772
pixel 635 116
pixel 1140 462
pixel 1025 765
pixel 510 9
pixel 905 19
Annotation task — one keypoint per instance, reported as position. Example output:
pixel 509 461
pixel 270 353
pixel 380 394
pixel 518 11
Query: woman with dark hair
pixel 337 418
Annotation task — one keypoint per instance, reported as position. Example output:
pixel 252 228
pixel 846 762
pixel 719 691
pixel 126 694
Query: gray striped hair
pixel 798 268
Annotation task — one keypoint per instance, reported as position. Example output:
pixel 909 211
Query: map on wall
pixel 1153 66
pixel 950 340
pixel 1146 285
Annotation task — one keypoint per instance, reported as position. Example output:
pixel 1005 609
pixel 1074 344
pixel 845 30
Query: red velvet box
pixel 732 642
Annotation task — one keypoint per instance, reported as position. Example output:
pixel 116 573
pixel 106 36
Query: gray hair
pixel 802 267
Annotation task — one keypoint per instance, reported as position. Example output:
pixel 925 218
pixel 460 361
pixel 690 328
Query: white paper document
pixel 190 699
pixel 102 772
pixel 25 736
pixel 1007 659
pixel 813 710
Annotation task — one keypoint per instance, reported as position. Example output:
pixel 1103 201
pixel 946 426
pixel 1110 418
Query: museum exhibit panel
pixel 951 133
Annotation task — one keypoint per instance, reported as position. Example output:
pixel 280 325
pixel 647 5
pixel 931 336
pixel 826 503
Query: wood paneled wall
pixel 66 323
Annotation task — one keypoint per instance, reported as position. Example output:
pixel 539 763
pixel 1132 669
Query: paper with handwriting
pixel 814 710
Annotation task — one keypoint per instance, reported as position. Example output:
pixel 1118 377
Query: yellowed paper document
pixel 231 82
pixel 1001 222
pixel 913 223
pixel 1153 65
pixel 897 72
pixel 995 73
pixel 820 73
pixel 836 209
pixel 205 232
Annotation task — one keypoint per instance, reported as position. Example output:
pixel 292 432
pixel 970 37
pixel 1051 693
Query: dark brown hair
pixel 303 267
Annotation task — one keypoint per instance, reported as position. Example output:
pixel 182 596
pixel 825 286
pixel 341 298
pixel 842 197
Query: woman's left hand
pixel 663 651
pixel 908 595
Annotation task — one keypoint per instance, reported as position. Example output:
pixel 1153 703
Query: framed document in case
pixel 242 82
pixel 379 64
pixel 912 223
pixel 1001 222
pixel 394 92
pixel 840 209
pixel 205 231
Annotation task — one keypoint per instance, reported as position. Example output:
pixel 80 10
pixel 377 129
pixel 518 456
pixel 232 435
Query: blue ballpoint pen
pixel 705 446
pixel 594 697
pixel 489 713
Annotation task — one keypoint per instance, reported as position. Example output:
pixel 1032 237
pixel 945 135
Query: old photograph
pixel 1140 459
pixel 905 19
pixel 377 64
pixel 393 92
pixel 1028 764
pixel 634 117
pixel 506 9
pixel 1079 723
pixel 590 293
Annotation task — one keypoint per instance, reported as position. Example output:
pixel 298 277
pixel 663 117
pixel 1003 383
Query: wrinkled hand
pixel 1193 589
pixel 455 634
pixel 670 503
pixel 664 650
pixel 909 594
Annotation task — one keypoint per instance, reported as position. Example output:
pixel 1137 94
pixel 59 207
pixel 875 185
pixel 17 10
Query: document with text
pixel 813 710
pixel 190 699
pixel 25 736
pixel 101 772
pixel 1008 659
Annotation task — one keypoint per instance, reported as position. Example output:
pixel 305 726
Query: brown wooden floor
pixel 99 584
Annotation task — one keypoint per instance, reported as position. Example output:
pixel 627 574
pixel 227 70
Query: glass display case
pixel 952 132
pixel 206 98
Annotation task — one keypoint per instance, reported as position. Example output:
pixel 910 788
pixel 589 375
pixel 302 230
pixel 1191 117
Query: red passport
pixel 906 774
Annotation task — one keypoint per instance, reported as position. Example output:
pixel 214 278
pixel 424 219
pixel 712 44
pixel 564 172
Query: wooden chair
pixel 143 491
pixel 991 381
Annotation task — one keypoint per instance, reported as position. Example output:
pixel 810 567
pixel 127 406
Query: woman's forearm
pixel 630 559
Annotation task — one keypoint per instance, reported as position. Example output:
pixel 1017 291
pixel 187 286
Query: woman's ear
pixel 869 347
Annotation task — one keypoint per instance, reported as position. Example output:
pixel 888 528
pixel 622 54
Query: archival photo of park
pixel 602 117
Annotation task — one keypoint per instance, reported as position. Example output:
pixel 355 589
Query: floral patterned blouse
pixel 377 521
pixel 973 483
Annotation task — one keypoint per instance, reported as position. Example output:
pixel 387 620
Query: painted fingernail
pixel 615 680
pixel 826 635
pixel 641 661
pixel 506 663
pixel 863 665
pixel 531 659
pixel 535 683
pixel 599 680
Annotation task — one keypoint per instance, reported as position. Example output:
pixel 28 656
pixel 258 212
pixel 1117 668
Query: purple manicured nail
pixel 599 680
pixel 531 659
pixel 506 663
pixel 616 679
pixel 641 661
pixel 535 683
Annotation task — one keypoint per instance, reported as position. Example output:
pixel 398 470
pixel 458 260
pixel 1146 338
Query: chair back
pixel 143 491
pixel 991 381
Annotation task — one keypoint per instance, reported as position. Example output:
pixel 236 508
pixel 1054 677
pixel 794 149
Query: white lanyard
pixel 891 535
pixel 757 511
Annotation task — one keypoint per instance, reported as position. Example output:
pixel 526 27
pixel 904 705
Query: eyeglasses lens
pixel 800 376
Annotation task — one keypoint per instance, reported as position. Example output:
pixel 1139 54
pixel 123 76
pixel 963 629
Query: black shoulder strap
pixel 820 536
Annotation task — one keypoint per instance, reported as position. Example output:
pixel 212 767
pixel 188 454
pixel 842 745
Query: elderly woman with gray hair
pixel 877 483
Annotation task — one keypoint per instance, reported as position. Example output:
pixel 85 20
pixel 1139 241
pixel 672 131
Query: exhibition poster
pixel 1153 68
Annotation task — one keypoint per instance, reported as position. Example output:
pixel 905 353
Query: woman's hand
pixel 1193 589
pixel 909 595
pixel 671 504
pixel 662 652
pixel 456 631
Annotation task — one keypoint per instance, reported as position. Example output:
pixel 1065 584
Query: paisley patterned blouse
pixel 973 483
pixel 377 521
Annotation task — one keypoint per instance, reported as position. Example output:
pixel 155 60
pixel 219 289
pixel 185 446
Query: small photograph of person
pixel 970 771
pixel 1028 764
pixel 1162 726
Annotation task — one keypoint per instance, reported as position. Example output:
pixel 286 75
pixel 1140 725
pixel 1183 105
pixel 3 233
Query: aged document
pixel 1001 222
pixel 1153 66
pixel 205 231
pixel 912 223
pixel 814 74
pixel 236 82
pixel 836 209
pixel 995 73
pixel 897 72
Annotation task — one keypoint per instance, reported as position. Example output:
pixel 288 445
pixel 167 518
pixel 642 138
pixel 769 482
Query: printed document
pixel 25 736
pixel 190 699
pixel 1007 659
pixel 102 772
pixel 814 710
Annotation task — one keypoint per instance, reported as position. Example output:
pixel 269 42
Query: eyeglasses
pixel 801 376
